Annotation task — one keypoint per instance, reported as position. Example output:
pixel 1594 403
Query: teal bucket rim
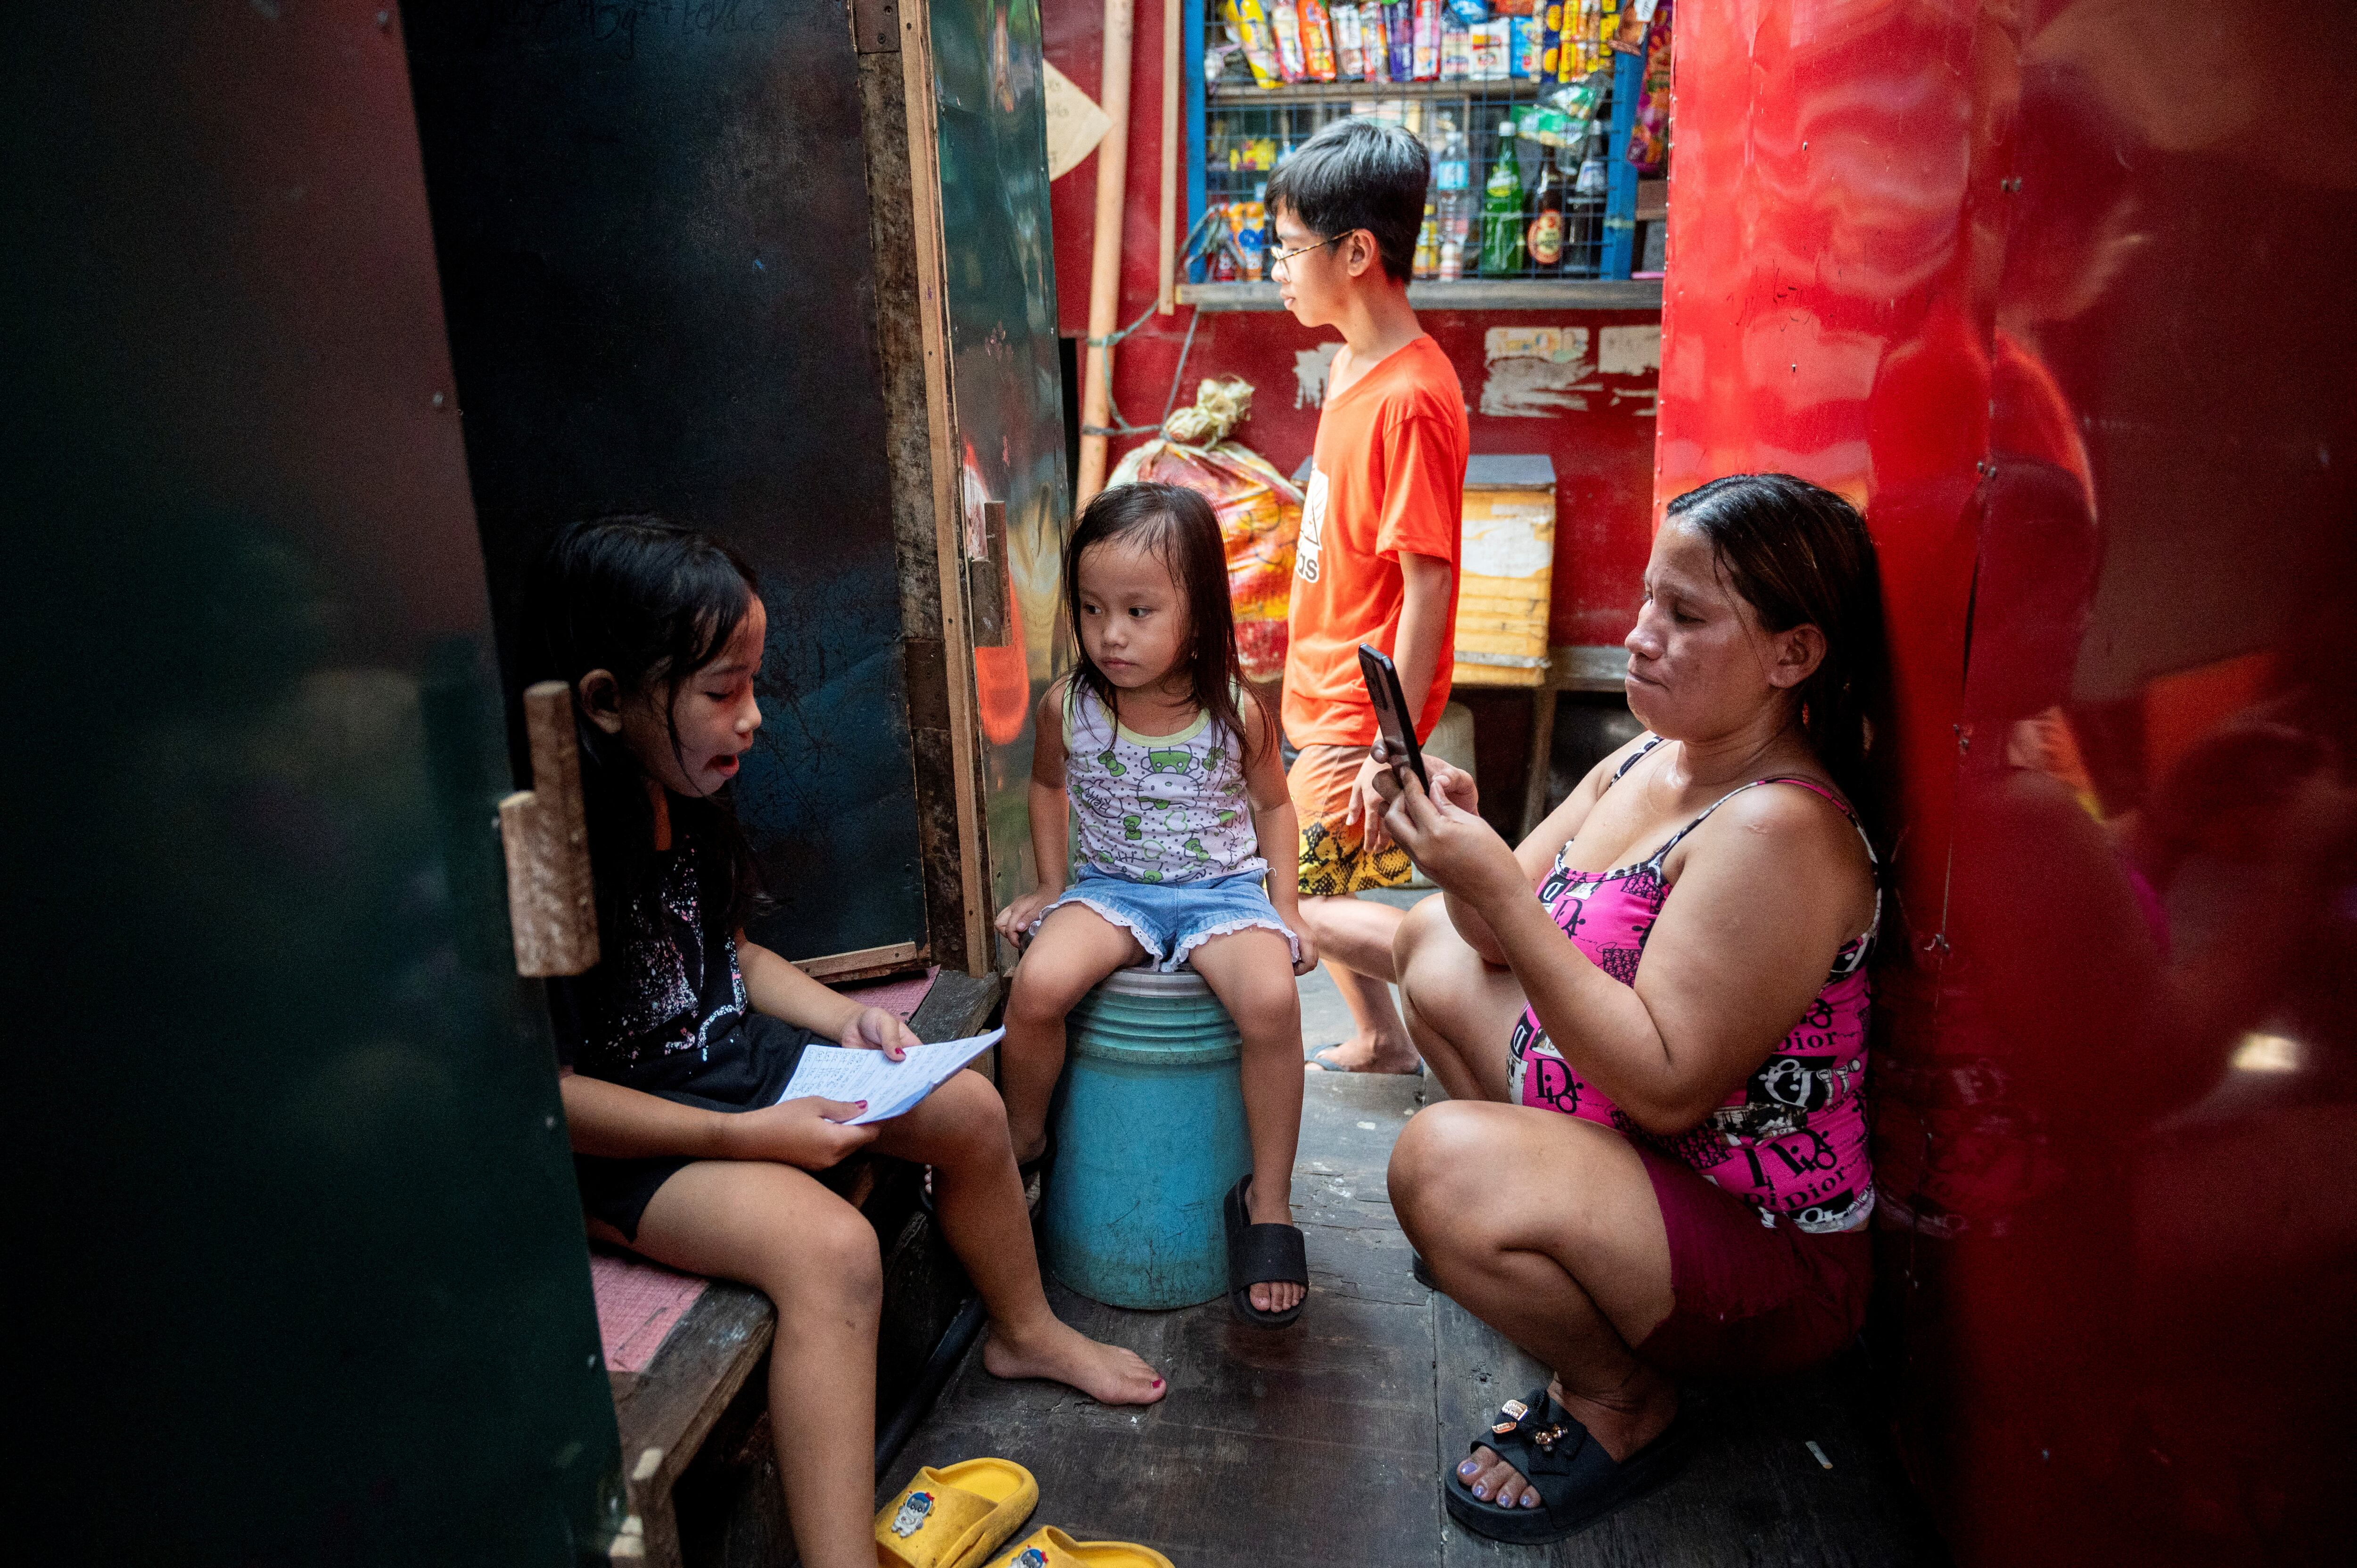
pixel 1140 984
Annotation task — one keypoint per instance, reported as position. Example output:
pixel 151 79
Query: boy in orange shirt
pixel 1378 557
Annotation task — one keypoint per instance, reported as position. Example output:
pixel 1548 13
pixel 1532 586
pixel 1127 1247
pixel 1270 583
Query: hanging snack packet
pixel 1472 13
pixel 1259 511
pixel 1317 41
pixel 1399 36
pixel 1285 21
pixel 1636 17
pixel 1249 23
pixel 1375 41
pixel 1427 40
pixel 1350 42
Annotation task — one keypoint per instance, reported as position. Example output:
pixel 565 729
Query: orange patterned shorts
pixel 1334 860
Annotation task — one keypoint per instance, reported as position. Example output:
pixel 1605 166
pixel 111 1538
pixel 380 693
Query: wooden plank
pixel 1339 1197
pixel 958 1006
pixel 922 120
pixel 1241 91
pixel 1469 294
pixel 1306 1445
pixel 860 963
pixel 1535 781
pixel 1588 667
pixel 665 1413
pixel 909 454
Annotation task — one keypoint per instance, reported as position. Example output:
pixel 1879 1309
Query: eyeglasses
pixel 1278 260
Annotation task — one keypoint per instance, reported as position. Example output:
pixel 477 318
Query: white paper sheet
pixel 890 1088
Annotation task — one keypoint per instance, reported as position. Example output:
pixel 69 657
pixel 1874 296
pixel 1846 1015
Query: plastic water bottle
pixel 1452 184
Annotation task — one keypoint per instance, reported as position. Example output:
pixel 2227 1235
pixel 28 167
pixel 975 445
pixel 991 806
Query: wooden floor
pixel 1325 1443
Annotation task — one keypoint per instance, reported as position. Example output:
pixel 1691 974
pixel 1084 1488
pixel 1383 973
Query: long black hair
pixel 1799 556
pixel 652 603
pixel 1176 524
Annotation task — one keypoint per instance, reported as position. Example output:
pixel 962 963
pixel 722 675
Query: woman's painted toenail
pixel 1482 1492
pixel 1467 1468
pixel 1530 1499
pixel 1158 1383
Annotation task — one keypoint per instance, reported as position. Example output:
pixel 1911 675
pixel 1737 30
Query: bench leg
pixel 1534 786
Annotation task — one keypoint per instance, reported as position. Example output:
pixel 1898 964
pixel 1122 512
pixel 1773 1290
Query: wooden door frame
pixel 900 119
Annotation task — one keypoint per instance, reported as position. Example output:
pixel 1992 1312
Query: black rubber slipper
pixel 1578 1482
pixel 1262 1254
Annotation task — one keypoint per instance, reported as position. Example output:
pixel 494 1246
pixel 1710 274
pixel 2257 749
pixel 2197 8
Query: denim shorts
pixel 1171 920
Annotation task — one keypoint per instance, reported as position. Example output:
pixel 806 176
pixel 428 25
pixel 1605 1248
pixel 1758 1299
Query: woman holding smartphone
pixel 1653 1160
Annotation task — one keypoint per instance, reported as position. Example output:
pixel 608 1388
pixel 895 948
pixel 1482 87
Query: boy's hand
pixel 874 1029
pixel 1015 921
pixel 1366 808
pixel 807 1133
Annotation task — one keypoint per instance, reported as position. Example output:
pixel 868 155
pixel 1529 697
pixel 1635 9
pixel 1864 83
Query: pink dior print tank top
pixel 1792 1140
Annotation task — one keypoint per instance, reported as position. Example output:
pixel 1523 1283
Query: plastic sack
pixel 1259 511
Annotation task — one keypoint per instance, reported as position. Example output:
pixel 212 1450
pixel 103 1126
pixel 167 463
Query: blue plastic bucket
pixel 1149 1138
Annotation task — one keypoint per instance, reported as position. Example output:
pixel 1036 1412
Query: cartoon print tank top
pixel 1156 808
pixel 1792 1140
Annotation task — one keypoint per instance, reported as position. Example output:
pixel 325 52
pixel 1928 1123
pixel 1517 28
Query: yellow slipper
pixel 956 1516
pixel 1051 1548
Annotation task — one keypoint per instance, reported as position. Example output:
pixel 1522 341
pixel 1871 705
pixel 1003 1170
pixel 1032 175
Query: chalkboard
pixel 652 228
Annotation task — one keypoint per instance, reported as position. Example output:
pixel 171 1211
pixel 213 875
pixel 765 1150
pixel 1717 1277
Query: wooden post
pixel 949 512
pixel 1171 76
pixel 546 836
pixel 1104 264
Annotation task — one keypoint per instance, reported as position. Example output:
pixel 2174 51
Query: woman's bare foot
pixel 1621 1433
pixel 1062 1354
pixel 1366 1052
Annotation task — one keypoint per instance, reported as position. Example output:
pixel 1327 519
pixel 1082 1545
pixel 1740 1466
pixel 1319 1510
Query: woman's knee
pixel 1420 942
pixel 1444 1163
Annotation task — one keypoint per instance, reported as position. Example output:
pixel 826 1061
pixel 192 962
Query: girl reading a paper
pixel 677 1045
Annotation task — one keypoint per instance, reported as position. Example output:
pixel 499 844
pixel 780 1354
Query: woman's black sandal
pixel 1577 1481
pixel 1262 1254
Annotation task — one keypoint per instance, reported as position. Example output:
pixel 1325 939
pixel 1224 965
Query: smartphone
pixel 1392 716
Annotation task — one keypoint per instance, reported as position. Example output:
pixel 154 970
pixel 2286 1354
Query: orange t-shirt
pixel 1388 477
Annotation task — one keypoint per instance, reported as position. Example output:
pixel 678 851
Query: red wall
pixel 2058 293
pixel 1603 455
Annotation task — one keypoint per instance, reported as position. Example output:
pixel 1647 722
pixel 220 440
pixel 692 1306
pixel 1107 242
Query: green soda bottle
pixel 1501 211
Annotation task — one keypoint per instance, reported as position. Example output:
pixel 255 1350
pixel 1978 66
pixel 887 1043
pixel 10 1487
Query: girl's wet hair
pixel 1799 556
pixel 1175 524
pixel 652 603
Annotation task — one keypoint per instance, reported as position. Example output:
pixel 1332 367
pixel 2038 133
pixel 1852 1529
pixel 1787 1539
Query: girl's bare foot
pixel 1061 1353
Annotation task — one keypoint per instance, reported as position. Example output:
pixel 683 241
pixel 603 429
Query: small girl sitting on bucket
pixel 676 1046
pixel 1183 810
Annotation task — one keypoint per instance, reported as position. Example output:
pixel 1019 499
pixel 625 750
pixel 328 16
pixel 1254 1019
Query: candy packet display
pixel 1248 20
pixel 1317 41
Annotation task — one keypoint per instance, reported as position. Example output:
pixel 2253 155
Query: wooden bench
pixel 697 1460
